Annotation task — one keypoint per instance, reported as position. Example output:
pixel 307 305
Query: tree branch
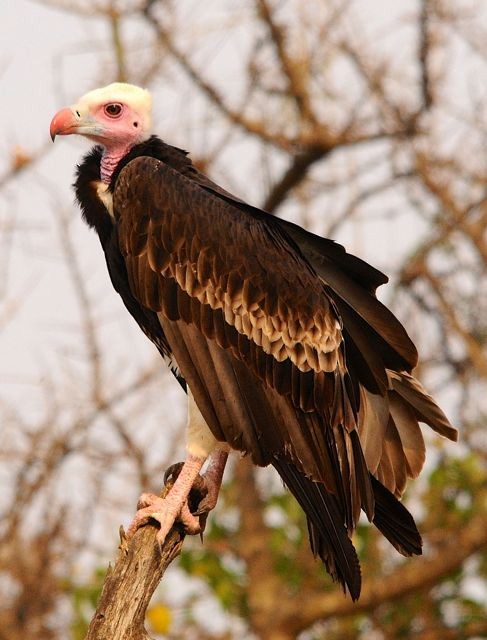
pixel 129 585
pixel 423 56
pixel 118 45
pixel 296 80
pixel 421 573
pixel 140 565
pixel 253 127
pixel 255 544
pixel 293 176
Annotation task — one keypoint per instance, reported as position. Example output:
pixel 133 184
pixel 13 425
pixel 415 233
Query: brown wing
pixel 239 279
pixel 258 338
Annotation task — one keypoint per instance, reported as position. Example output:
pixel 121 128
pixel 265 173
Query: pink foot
pixel 166 511
pixel 174 506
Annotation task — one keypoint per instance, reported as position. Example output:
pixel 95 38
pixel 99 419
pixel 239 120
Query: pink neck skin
pixel 109 160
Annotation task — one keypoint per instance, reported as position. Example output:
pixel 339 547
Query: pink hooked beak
pixel 70 120
pixel 63 123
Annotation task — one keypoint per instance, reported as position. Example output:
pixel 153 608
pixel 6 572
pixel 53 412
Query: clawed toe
pixel 189 523
pixel 184 491
pixel 207 504
pixel 189 499
pixel 173 472
pixel 153 507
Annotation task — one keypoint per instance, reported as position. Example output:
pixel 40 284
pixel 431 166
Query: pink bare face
pixel 119 123
pixel 116 116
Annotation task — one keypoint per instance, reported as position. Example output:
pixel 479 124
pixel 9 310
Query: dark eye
pixel 113 110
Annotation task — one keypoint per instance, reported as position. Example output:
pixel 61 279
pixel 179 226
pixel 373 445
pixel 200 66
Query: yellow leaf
pixel 160 618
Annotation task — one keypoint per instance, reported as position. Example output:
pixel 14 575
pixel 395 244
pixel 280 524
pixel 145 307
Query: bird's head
pixel 115 116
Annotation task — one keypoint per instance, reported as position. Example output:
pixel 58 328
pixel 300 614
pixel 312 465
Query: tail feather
pixel 327 531
pixel 425 408
pixel 395 522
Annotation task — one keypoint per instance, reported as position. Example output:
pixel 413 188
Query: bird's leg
pixel 213 480
pixel 172 507
pixel 201 443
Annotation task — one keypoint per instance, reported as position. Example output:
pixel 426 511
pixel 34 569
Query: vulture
pixel 276 335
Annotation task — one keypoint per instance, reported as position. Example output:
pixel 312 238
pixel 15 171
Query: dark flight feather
pixel 395 522
pixel 327 534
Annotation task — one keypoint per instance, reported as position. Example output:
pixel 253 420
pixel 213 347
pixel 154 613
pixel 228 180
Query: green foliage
pixel 84 598
pixel 226 583
pixel 286 540
pixel 456 490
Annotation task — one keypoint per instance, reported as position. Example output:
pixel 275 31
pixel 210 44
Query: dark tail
pixel 395 522
pixel 327 532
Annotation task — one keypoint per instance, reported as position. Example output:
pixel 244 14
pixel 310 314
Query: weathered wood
pixel 140 565
pixel 130 583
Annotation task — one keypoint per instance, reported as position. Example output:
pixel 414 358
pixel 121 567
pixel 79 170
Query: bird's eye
pixel 113 110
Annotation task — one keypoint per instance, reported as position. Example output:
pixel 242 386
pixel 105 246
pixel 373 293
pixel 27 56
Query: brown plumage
pixel 277 333
pixel 313 370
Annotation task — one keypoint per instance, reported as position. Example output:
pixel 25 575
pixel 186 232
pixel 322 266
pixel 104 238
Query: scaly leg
pixel 200 444
pixel 213 481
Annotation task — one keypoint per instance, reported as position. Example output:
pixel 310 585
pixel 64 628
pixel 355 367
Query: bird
pixel 276 335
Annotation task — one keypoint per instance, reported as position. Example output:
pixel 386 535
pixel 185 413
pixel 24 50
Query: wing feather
pixel 425 408
pixel 259 333
pixel 254 282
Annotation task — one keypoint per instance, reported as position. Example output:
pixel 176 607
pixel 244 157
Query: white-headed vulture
pixel 276 334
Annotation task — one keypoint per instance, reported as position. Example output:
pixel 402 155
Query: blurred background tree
pixel 363 121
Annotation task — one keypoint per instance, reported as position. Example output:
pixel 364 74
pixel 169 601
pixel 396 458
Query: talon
pixel 191 523
pixel 207 504
pixel 189 500
pixel 202 518
pixel 173 470
pixel 174 505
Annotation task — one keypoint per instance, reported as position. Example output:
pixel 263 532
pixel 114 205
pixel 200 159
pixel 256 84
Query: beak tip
pixel 63 123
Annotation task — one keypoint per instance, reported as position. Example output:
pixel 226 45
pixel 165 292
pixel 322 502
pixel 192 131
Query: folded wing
pixel 289 358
